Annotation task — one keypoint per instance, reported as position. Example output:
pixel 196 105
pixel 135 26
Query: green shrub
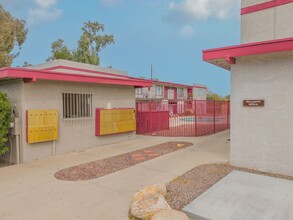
pixel 5 119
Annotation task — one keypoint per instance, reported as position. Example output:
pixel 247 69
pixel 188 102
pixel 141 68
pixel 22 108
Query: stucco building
pixel 73 92
pixel 261 86
pixel 169 91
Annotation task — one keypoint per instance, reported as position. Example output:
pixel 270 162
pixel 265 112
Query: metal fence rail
pixel 182 118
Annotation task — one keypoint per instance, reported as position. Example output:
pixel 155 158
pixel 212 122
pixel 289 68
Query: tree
pixel 89 45
pixel 60 51
pixel 12 33
pixel 216 97
pixel 26 64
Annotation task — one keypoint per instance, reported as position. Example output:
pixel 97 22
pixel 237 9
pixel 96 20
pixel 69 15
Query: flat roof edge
pixel 34 75
pixel 230 53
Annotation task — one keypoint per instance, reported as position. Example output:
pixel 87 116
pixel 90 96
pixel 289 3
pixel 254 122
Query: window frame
pixel 77 105
pixel 180 92
pixel 159 92
pixel 138 91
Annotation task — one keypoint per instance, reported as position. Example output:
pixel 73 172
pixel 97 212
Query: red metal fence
pixel 182 118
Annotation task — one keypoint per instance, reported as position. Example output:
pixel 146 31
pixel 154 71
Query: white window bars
pixel 77 105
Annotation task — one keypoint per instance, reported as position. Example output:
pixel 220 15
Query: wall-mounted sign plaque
pixel 254 103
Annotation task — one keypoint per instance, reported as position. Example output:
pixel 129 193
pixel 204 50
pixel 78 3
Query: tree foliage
pixel 12 33
pixel 89 45
pixel 216 97
pixel 26 64
pixel 5 119
pixel 60 51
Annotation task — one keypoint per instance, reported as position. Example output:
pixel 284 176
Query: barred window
pixel 77 105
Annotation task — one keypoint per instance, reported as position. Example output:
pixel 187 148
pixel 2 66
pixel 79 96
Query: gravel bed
pixel 109 165
pixel 186 188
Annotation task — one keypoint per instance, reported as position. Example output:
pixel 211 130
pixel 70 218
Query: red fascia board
pixel 55 76
pixel 170 84
pixel 87 71
pixel 263 47
pixel 264 5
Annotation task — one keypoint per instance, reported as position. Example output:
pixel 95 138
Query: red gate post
pixel 214 116
pixel 195 119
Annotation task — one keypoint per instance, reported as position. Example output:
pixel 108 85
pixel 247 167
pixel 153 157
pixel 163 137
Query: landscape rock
pixel 147 207
pixel 170 214
pixel 150 190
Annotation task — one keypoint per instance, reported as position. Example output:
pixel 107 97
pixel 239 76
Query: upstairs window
pixel 180 92
pixel 138 91
pixel 77 105
pixel 159 90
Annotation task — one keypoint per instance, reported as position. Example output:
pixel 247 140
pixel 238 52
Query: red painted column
pixel 195 119
pixel 214 116
pixel 166 92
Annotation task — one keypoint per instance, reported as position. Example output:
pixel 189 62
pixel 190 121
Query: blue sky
pixel 169 34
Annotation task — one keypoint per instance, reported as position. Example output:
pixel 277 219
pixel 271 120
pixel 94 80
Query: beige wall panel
pixel 247 3
pixel 257 26
pixel 261 137
pixel 284 21
pixel 75 134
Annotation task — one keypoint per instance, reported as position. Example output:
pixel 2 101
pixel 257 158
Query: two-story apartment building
pixel 172 92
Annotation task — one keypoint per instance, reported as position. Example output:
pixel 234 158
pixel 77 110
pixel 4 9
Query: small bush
pixel 5 119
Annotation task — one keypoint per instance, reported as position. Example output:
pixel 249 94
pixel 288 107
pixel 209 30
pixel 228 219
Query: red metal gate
pixel 182 118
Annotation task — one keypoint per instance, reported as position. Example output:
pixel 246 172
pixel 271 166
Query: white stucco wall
pixel 268 24
pixel 261 137
pixel 199 93
pixel 150 93
pixel 75 134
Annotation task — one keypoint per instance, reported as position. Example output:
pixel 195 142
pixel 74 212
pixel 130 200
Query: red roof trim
pixel 87 71
pixel 35 75
pixel 177 85
pixel 263 6
pixel 263 47
pixel 170 84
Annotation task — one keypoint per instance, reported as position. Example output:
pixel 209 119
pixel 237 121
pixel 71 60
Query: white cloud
pixel 40 15
pixel 111 2
pixel 187 31
pixel 34 11
pixel 16 4
pixel 45 3
pixel 188 11
pixel 44 10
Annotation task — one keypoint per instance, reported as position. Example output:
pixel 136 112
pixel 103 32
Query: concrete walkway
pixel 242 196
pixel 30 191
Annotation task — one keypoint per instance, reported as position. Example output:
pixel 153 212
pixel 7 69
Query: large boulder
pixel 148 206
pixel 150 190
pixel 170 214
